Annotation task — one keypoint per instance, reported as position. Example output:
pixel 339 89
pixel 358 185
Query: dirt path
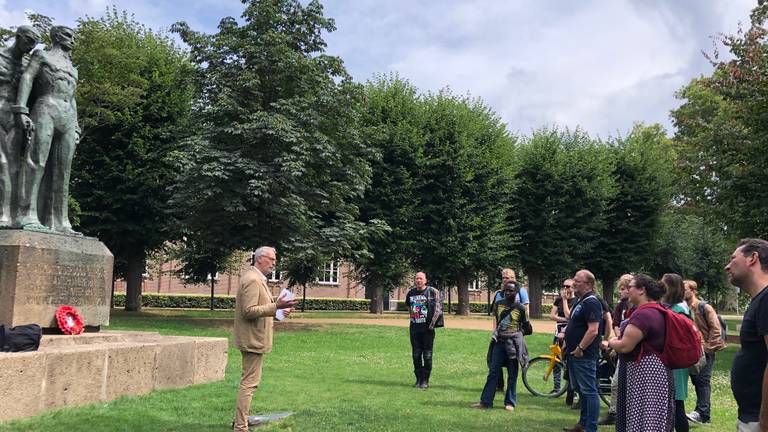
pixel 539 326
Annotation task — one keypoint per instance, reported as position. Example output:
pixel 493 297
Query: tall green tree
pixel 722 133
pixel 563 184
pixel 134 99
pixel 463 186
pixel 276 156
pixel 642 170
pixel 394 122
pixel 688 244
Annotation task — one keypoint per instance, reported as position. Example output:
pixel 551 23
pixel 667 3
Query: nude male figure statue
pixel 47 161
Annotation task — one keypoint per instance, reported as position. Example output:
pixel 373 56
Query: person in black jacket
pixel 424 307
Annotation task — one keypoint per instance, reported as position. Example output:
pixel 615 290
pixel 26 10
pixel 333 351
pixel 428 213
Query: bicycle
pixel 544 374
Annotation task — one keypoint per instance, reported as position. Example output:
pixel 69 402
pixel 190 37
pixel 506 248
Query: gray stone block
pixel 40 272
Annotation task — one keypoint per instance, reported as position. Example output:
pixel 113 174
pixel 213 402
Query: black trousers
pixel 681 421
pixel 421 349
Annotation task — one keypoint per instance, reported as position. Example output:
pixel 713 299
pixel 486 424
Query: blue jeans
pixel 583 372
pixel 499 359
pixel 703 385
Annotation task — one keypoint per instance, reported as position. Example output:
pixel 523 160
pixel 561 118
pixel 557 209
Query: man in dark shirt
pixel 561 310
pixel 582 345
pixel 424 307
pixel 748 270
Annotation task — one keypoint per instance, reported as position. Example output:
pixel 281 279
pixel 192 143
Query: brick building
pixel 334 282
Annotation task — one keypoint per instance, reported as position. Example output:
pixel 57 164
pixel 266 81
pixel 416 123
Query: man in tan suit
pixel 254 310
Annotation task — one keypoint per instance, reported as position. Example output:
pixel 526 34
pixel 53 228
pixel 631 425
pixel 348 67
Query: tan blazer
pixel 254 309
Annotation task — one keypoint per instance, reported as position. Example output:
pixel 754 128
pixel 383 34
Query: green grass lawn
pixel 340 378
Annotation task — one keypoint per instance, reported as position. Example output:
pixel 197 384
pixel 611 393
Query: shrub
pixel 203 301
pixel 474 307
pixel 221 301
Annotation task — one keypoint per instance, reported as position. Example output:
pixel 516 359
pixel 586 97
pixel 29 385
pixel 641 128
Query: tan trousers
pixel 248 383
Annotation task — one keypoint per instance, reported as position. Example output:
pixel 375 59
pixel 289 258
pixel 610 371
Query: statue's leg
pixel 6 187
pixel 63 151
pixel 13 154
pixel 33 168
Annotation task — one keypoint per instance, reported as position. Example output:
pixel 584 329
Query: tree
pixel 134 100
pixel 721 133
pixel 562 186
pixel 276 155
pixel 463 186
pixel 41 22
pixel 394 121
pixel 642 170
pixel 202 261
pixel 689 245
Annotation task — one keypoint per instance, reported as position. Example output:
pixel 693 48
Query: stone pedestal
pixel 40 272
pixel 101 367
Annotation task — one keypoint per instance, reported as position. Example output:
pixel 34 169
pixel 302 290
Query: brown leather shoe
pixel 479 405
pixel 576 428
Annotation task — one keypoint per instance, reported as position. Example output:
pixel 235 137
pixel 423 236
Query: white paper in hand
pixel 285 294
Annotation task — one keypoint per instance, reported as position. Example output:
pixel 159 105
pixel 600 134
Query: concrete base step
pixel 100 367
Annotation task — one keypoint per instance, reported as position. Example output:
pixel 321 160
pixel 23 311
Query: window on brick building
pixel 474 285
pixel 330 273
pixel 275 276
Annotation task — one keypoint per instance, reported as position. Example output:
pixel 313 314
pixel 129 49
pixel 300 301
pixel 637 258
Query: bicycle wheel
pixel 540 382
pixel 605 370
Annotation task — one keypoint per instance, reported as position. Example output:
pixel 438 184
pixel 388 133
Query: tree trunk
pixel 608 289
pixel 303 296
pixel 377 300
pixel 213 288
pixel 534 291
pixel 488 312
pixel 462 288
pixel 133 281
pixel 112 297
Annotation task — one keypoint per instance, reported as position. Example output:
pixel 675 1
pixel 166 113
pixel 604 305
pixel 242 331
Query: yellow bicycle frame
pixel 554 359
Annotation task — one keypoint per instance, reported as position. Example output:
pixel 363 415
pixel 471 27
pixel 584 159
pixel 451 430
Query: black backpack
pixel 723 325
pixel 20 338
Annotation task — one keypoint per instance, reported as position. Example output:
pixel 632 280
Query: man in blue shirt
pixel 582 346
pixel 508 275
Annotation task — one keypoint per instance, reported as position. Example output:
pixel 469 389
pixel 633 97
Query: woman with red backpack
pixel 646 390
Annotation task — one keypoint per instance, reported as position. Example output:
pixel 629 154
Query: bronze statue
pixel 13 61
pixel 49 121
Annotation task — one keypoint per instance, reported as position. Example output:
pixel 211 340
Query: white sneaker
pixel 694 416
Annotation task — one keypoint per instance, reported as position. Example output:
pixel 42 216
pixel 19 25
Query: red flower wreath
pixel 69 320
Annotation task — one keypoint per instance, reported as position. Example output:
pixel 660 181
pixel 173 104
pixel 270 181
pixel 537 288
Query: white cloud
pixel 601 65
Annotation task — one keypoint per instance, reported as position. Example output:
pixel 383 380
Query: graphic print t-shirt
pixel 418 308
pixel 509 323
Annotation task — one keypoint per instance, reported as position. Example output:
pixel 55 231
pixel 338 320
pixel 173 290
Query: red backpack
pixel 682 344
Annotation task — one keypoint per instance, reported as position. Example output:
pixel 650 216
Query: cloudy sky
pixel 596 64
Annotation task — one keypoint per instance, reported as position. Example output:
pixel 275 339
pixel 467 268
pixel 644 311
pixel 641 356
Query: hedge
pixel 474 307
pixel 203 301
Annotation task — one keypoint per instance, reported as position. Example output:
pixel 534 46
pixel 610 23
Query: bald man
pixel 582 345
pixel 424 307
